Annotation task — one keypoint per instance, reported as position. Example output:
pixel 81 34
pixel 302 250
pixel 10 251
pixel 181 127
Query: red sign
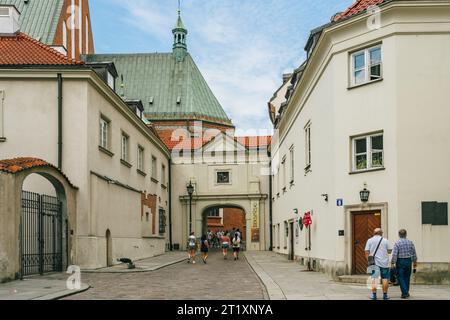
pixel 307 221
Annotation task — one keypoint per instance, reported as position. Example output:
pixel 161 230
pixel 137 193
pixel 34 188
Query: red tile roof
pixel 17 165
pixel 358 7
pixel 21 49
pixel 196 143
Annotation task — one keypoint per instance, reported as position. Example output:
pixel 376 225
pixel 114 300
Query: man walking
pixel 403 257
pixel 379 248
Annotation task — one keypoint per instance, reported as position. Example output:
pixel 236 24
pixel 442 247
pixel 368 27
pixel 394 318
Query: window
pixel 292 172
pixel 111 81
pixel 308 146
pixel 162 222
pixel 214 212
pixel 141 159
pixel 147 217
pixel 366 65
pixel 223 177
pixel 368 152
pixel 154 166
pixel 125 147
pixel 163 175
pixel 104 133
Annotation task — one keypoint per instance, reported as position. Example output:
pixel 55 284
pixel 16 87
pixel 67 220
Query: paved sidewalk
pixel 146 265
pixel 38 288
pixel 288 280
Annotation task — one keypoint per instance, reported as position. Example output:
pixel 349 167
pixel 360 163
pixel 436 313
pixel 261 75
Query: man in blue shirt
pixel 403 256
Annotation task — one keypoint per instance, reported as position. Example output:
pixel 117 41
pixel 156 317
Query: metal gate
pixel 41 234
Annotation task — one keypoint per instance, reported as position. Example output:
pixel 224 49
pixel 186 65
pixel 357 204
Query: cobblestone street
pixel 217 280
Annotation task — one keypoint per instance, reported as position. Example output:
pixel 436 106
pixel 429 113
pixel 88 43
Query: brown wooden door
pixel 364 223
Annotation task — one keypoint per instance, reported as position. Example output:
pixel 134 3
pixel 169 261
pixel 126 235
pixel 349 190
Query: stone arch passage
pixel 224 218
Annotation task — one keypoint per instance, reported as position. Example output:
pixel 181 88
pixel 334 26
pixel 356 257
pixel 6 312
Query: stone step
pixel 359 279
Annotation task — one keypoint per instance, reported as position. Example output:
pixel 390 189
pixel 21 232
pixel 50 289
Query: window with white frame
pixel 368 152
pixel 105 125
pixel 292 171
pixel 366 65
pixel 141 159
pixel 308 146
pixel 154 167
pixel 125 147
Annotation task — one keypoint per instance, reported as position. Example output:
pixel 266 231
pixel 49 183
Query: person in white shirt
pixel 192 248
pixel 379 248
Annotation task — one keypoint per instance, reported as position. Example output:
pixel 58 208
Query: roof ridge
pixel 49 49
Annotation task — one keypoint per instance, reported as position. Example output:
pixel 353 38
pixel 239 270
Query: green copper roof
pixel 179 24
pixel 39 18
pixel 169 90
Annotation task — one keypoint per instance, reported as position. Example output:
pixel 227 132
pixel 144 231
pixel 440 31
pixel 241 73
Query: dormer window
pixel 111 81
pixel 4 12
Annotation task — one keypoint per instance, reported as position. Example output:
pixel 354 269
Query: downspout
pixel 60 119
pixel 270 203
pixel 170 205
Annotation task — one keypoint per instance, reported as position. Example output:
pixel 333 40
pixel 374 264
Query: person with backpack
pixel 204 248
pixel 236 246
pixel 377 254
pixel 192 248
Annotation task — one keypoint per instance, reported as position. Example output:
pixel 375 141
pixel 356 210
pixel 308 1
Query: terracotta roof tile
pixel 358 7
pixel 17 165
pixel 21 49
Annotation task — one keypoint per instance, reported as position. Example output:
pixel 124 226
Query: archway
pixel 224 218
pixel 109 249
pixel 43 225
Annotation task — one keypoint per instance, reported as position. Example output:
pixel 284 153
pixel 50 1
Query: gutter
pixel 60 119
pixel 170 205
pixel 270 204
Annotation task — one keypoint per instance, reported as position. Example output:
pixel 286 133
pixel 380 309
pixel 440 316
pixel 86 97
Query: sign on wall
pixel 255 222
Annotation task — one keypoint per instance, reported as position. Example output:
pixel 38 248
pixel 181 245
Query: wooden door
pixel 291 241
pixel 364 223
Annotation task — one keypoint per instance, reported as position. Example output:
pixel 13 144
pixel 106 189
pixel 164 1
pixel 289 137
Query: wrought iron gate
pixel 41 234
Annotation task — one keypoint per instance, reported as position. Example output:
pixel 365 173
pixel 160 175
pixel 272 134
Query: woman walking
pixel 192 248
pixel 225 245
pixel 204 248
pixel 236 246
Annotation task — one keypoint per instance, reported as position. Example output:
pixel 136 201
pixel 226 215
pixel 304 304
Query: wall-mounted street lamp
pixel 364 194
pixel 190 191
pixel 325 196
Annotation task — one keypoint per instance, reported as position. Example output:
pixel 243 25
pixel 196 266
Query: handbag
pixel 371 258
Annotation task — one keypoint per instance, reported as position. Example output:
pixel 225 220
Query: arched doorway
pixel 43 225
pixel 224 218
pixel 109 258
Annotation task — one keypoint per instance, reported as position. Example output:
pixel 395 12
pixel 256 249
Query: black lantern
pixel 364 194
pixel 190 191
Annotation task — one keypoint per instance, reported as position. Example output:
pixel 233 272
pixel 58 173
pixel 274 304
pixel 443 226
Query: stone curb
pixel 63 294
pixel 273 289
pixel 136 270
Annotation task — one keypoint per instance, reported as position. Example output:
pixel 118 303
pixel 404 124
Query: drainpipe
pixel 270 204
pixel 170 205
pixel 60 110
pixel 2 125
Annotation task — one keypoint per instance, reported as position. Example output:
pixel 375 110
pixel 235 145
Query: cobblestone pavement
pixel 217 280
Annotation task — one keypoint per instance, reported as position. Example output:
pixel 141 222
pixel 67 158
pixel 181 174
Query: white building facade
pixel 368 110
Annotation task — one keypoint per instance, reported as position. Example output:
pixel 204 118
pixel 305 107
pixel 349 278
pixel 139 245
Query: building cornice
pixel 236 196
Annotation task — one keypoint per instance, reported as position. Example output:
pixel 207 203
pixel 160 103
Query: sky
pixel 242 47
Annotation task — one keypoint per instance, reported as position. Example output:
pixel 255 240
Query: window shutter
pixel 428 209
pixel 441 215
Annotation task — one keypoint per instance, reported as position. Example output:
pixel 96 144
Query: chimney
pixel 9 20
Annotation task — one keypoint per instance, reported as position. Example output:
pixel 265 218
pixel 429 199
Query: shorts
pixel 192 248
pixel 385 273
pixel 205 250
pixel 225 246
pixel 236 249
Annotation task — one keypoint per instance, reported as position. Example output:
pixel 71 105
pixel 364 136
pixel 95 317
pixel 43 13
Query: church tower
pixel 179 39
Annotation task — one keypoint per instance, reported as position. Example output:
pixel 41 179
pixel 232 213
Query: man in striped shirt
pixel 403 257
